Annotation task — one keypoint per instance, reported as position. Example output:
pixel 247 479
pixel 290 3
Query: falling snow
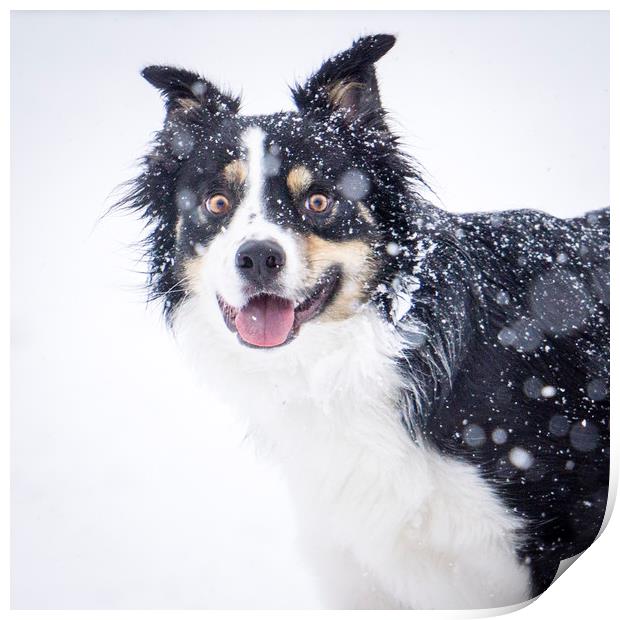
pixel 520 458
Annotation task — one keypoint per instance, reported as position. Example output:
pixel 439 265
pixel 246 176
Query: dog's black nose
pixel 259 262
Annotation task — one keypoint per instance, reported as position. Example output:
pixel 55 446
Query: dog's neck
pixel 336 377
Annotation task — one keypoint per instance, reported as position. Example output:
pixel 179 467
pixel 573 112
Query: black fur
pixel 499 307
pixel 526 300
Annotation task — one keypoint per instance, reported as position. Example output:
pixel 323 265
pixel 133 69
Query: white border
pixel 589 587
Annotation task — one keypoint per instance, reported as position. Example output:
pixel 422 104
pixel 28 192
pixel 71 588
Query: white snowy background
pixel 131 486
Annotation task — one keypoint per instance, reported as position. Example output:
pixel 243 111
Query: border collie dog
pixel 435 386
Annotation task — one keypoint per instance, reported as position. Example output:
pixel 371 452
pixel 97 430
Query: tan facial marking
pixel 193 269
pixel 365 213
pixel 299 180
pixel 236 172
pixel 357 264
pixel 342 94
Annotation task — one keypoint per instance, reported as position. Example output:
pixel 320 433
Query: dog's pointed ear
pixel 346 83
pixel 182 89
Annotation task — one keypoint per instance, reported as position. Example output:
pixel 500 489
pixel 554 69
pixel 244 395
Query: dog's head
pixel 273 221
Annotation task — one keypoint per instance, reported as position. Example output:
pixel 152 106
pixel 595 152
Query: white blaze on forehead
pixel 254 143
pixel 250 220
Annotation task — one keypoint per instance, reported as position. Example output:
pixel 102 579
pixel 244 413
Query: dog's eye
pixel 319 203
pixel 217 204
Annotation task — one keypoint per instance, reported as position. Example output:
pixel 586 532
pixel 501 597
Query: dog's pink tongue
pixel 266 321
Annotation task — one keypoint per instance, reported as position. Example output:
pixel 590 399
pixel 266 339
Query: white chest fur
pixel 387 522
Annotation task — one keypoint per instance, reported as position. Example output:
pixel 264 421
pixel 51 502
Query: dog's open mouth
pixel 268 320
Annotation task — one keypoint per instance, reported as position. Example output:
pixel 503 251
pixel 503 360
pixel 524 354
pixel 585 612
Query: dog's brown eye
pixel 317 203
pixel 217 204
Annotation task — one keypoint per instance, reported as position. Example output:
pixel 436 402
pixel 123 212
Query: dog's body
pixel 435 386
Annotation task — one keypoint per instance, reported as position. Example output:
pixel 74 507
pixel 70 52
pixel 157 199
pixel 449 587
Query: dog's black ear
pixel 187 90
pixel 346 83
